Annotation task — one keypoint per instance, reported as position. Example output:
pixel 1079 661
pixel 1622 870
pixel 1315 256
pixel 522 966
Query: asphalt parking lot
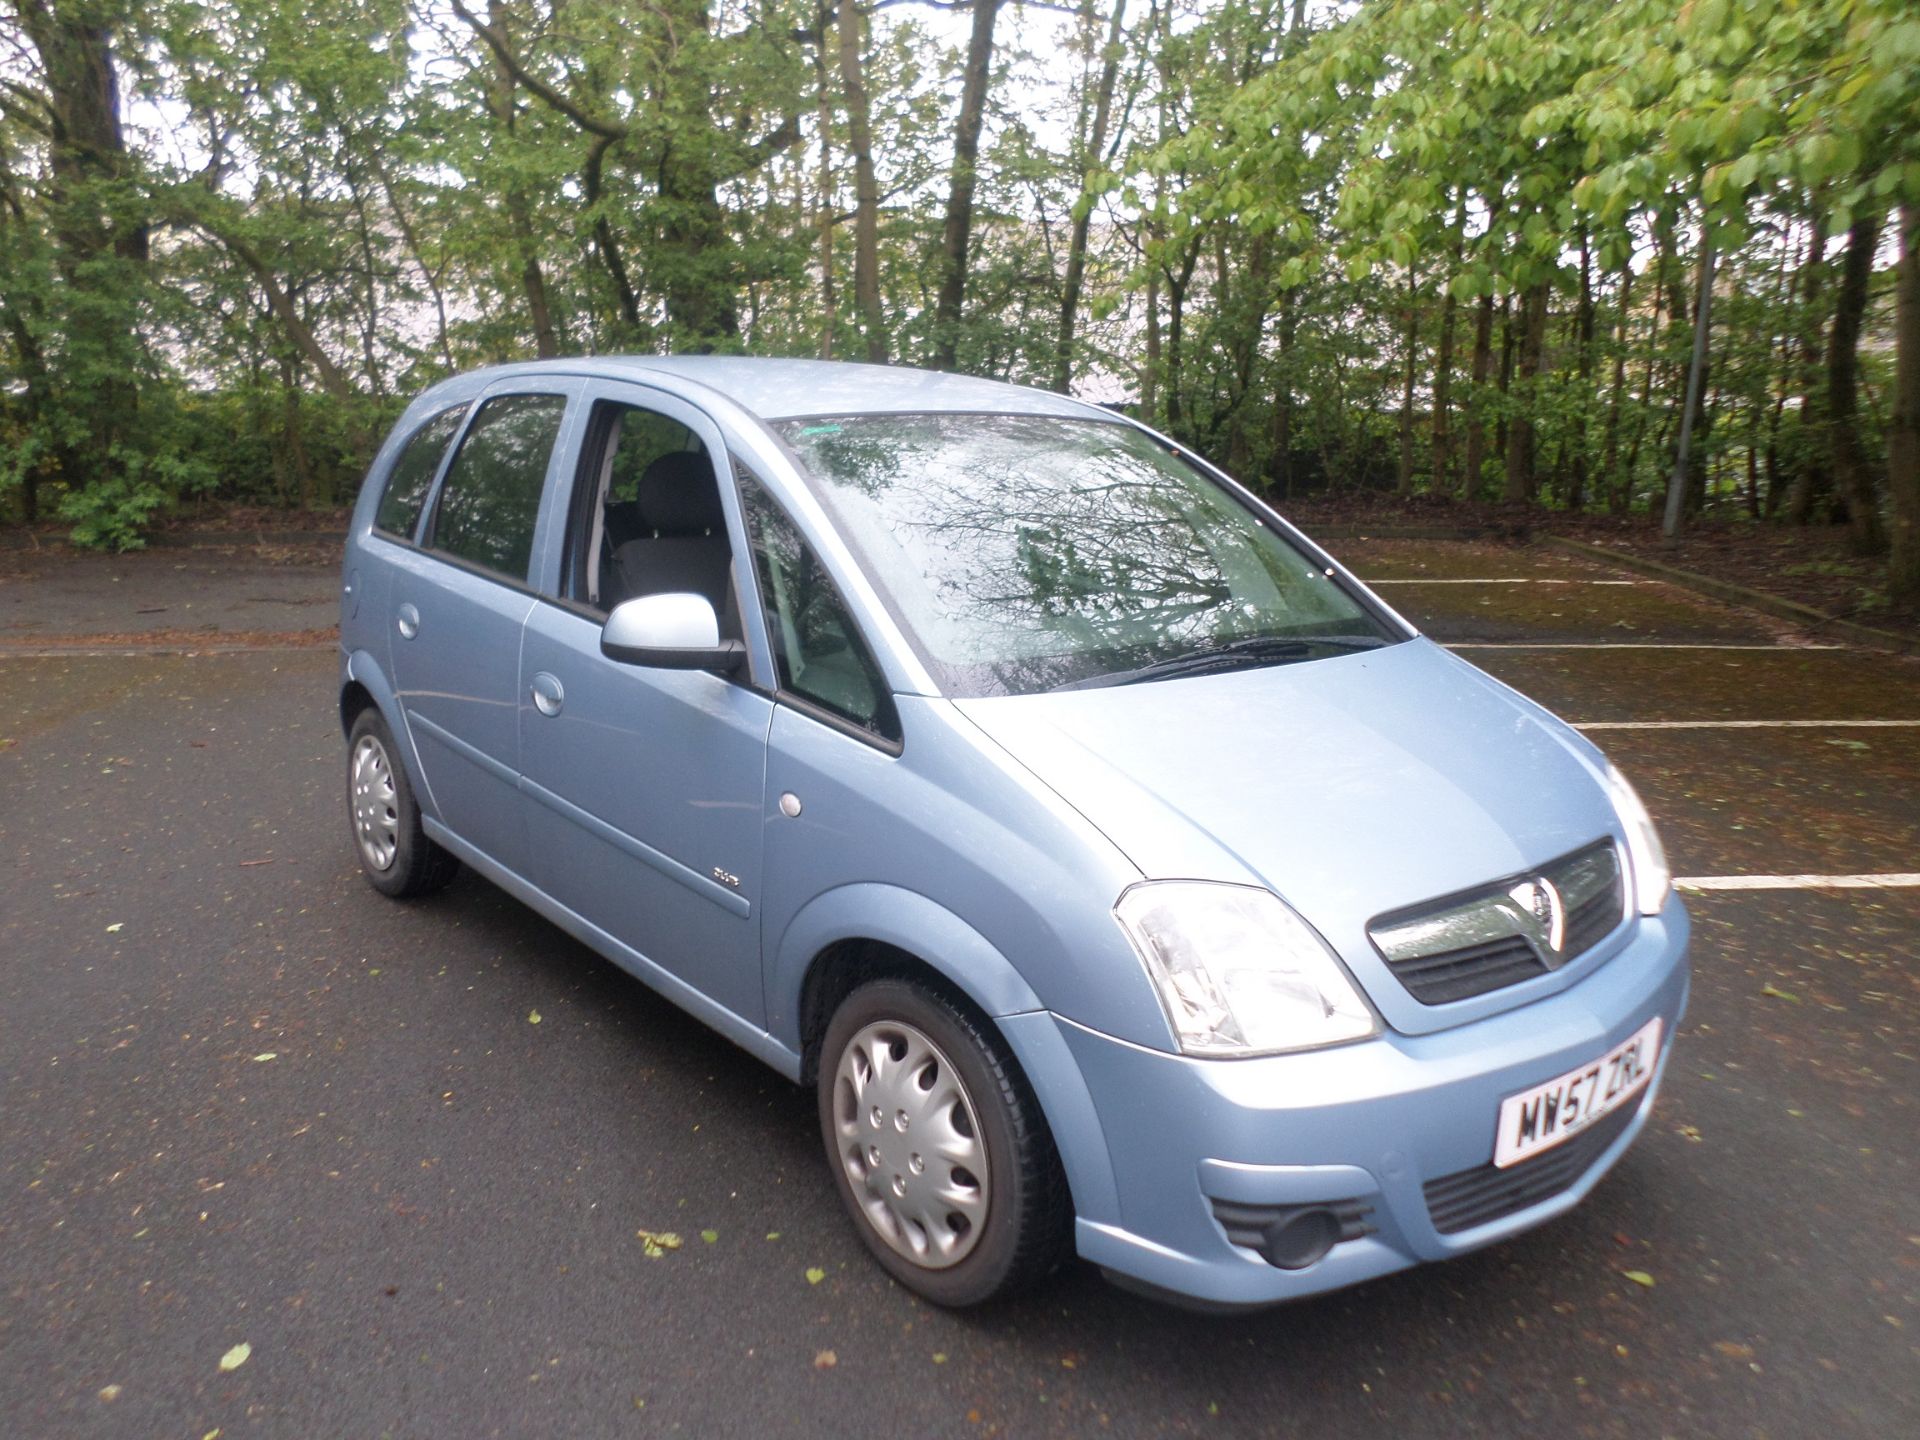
pixel 403 1154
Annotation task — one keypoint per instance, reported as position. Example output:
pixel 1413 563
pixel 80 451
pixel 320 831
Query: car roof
pixel 786 389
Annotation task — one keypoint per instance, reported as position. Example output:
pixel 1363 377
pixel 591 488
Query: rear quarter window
pixel 413 472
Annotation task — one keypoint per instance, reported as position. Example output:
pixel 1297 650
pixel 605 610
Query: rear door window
pixel 413 472
pixel 491 497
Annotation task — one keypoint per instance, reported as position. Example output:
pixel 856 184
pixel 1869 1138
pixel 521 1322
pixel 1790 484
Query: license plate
pixel 1545 1116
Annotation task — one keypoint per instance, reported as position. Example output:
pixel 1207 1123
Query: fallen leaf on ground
pixel 533 1017
pixel 236 1357
pixel 710 1236
pixel 815 1275
pixel 266 1055
pixel 1778 994
pixel 825 1360
pixel 658 1243
pixel 116 927
pixel 1639 1277
pixel 109 1393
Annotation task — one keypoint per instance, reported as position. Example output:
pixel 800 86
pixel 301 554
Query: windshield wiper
pixel 1255 650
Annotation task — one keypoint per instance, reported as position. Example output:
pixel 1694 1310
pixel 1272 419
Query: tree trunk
pixel 299 334
pixel 411 237
pixel 1617 494
pixel 1521 479
pixel 1790 271
pixel 1150 368
pixel 1176 327
pixel 1503 430
pixel 100 242
pixel 1176 333
pixel 1903 437
pixel 608 245
pixel 958 232
pixel 1091 154
pixel 1477 400
pixel 1403 482
pixel 533 281
pixel 1808 477
pixel 1583 324
pixel 1696 379
pixel 866 188
pixel 1866 535
pixel 1442 398
pixel 823 220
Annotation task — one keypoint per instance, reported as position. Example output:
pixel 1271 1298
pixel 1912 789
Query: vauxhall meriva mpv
pixel 1126 878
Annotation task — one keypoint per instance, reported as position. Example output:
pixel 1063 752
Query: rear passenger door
pixel 459 602
pixel 644 785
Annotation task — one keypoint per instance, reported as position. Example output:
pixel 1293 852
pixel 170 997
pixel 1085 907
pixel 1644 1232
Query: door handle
pixel 408 620
pixel 547 693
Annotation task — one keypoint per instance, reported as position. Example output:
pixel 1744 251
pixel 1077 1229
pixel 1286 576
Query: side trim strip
pixel 461 748
pixel 730 901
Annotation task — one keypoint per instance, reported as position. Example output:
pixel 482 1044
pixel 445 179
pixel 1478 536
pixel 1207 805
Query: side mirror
pixel 671 632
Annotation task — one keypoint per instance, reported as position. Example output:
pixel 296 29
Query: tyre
pixel 937 1147
pixel 395 854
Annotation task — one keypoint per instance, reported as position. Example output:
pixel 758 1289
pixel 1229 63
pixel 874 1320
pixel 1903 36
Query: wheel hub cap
pixel 910 1143
pixel 376 814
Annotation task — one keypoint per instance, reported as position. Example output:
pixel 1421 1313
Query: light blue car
pixel 1126 878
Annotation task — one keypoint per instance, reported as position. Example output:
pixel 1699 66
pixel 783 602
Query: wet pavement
pixel 244 1100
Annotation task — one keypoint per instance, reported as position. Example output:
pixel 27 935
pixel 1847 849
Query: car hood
pixel 1350 786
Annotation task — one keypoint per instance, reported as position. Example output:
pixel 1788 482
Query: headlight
pixel 1238 972
pixel 1652 880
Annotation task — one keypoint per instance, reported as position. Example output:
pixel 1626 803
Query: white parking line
pixel 1497 580
pixel 1741 724
pixel 1620 645
pixel 1799 882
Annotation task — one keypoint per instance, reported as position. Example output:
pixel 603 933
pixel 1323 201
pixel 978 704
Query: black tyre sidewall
pixel 1001 1261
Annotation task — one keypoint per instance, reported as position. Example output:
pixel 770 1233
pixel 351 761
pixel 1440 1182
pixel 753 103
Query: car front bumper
pixel 1362 1127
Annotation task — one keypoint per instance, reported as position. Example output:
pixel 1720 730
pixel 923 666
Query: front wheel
pixel 938 1151
pixel 396 855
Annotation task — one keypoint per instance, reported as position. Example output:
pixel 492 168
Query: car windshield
pixel 1027 553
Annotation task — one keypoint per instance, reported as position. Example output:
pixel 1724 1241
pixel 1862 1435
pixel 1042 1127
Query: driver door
pixel 644 786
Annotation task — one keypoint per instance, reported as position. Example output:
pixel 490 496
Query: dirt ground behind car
pixel 442 1171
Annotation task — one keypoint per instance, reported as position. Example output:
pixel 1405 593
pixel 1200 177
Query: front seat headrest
pixel 678 495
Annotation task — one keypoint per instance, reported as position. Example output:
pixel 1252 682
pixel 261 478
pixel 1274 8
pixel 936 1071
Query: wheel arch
pixel 364 686
pixel 867 932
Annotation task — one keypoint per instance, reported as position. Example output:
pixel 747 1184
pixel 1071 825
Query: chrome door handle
pixel 408 620
pixel 547 693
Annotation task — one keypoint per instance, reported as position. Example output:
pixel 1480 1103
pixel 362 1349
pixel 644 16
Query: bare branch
pixel 497 42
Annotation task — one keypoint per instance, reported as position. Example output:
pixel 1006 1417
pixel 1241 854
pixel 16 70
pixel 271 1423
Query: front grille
pixel 1486 1193
pixel 1468 944
pixel 1471 970
pixel 1591 922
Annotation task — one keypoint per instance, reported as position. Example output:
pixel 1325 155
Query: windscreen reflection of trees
pixel 1065 549
pixel 492 494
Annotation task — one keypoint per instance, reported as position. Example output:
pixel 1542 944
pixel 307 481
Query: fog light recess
pixel 1293 1237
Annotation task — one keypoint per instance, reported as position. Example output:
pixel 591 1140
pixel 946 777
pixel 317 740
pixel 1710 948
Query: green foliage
pixel 316 209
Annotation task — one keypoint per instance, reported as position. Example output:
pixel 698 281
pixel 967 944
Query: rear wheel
pixel 937 1149
pixel 395 854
